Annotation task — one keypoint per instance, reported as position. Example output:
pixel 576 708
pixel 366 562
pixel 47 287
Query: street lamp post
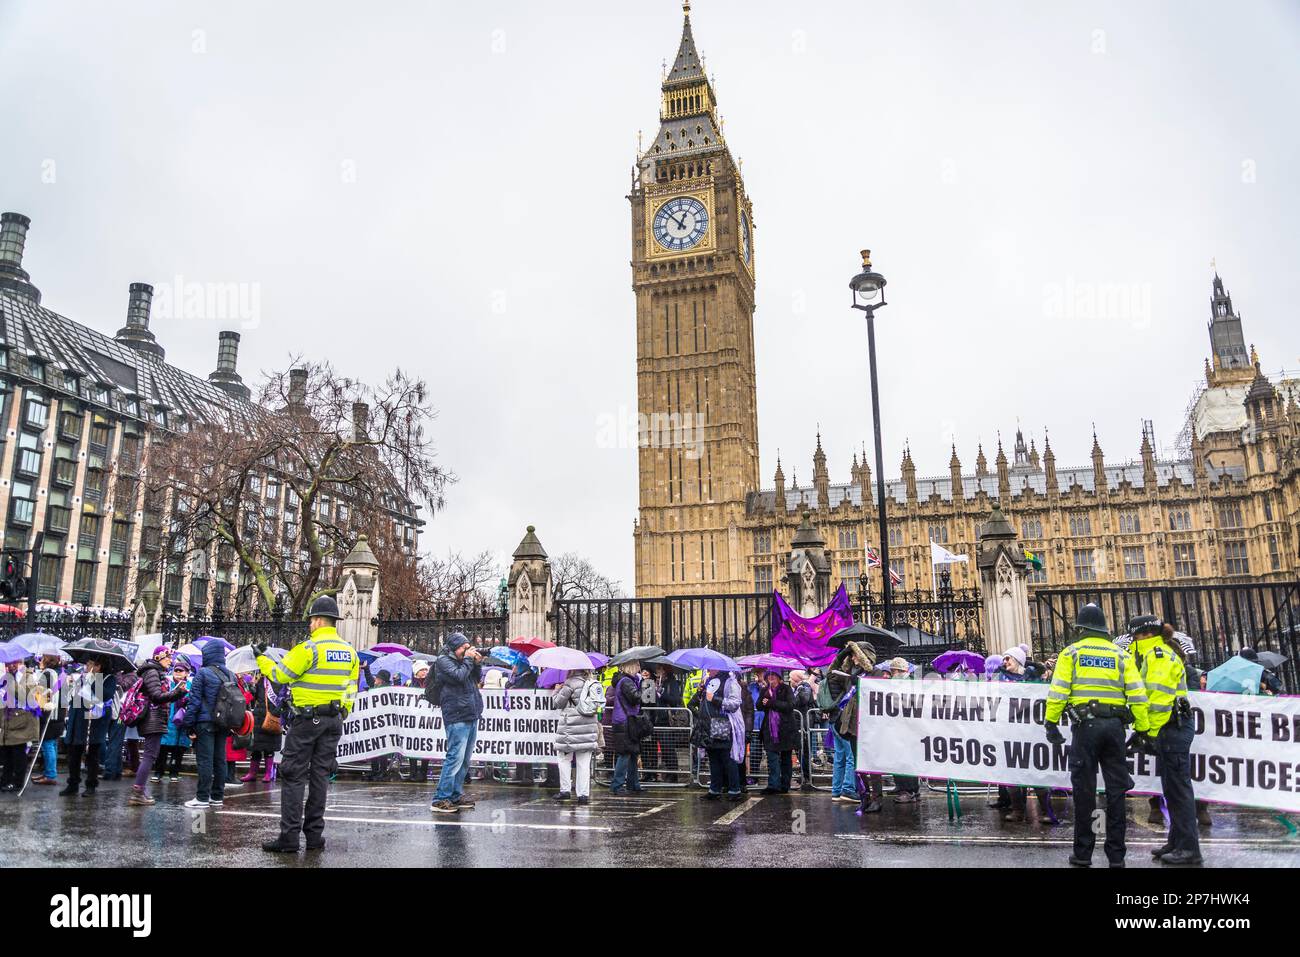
pixel 869 295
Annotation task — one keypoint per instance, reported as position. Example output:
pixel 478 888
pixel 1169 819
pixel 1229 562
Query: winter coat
pixel 627 702
pixel 81 726
pixel 154 686
pixel 576 731
pixel 17 724
pixel 263 694
pixel 174 737
pixel 202 699
pixel 52 708
pixel 779 703
pixel 458 689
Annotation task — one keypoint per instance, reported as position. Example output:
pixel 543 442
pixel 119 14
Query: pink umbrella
pixel 771 662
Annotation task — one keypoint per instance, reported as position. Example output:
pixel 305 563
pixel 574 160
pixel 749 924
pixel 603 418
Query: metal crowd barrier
pixel 666 755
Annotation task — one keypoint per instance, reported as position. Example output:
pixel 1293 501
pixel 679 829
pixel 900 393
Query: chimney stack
pixel 225 377
pixel 13 239
pixel 360 421
pixel 297 387
pixel 136 332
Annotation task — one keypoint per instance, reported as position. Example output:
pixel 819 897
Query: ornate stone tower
pixel 693 276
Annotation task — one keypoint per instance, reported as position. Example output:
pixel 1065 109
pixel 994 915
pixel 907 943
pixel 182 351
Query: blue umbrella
pixel 508 655
pixel 702 659
pixel 1235 676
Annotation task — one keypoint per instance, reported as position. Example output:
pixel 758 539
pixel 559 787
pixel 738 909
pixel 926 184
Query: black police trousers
pixel 1174 762
pixel 1099 743
pixel 305 763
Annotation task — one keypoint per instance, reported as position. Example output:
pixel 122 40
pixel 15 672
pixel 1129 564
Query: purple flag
pixel 805 638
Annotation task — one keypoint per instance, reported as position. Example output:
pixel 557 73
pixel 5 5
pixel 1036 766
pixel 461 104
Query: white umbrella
pixel 37 643
pixel 242 661
pixel 562 659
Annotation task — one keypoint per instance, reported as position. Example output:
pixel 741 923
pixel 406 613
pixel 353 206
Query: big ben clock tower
pixel 693 276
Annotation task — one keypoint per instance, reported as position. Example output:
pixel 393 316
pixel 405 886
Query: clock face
pixel 746 239
pixel 680 223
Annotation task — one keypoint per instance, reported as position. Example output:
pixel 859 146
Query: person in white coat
pixel 575 737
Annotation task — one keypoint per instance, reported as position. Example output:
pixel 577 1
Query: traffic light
pixel 13 587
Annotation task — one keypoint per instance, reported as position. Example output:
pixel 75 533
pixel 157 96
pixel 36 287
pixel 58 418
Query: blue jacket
pixel 458 687
pixel 202 700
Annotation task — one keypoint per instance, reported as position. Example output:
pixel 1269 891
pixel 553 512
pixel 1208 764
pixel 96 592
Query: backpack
pixel 825 700
pixel 135 706
pixel 433 690
pixel 230 707
pixel 590 699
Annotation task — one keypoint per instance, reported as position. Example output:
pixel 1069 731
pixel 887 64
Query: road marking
pixel 1043 842
pixel 436 823
pixel 246 794
pixel 733 814
pixel 656 810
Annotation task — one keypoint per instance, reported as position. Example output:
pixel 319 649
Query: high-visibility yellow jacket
pixel 322 669
pixel 1165 678
pixel 691 687
pixel 1095 669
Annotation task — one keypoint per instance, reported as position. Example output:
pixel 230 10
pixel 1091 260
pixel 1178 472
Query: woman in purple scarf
pixel 720 731
pixel 779 732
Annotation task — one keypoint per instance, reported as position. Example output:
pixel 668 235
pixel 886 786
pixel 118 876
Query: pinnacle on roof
pixel 530 547
pixel 687 67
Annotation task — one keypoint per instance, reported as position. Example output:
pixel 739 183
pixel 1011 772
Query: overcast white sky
pixel 441 186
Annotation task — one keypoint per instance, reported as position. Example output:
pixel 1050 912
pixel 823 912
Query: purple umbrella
pixel 597 659
pixel 951 660
pixel 550 677
pixel 992 663
pixel 391 648
pixel 771 662
pixel 702 659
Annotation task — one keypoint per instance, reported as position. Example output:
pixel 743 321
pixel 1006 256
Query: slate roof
pixel 31 331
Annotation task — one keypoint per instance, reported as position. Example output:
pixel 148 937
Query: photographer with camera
pixel 455 681
pixel 321 673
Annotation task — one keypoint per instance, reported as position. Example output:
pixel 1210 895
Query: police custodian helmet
pixel 1092 618
pixel 324 607
pixel 1145 623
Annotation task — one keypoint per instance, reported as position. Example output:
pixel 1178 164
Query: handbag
pixel 718 735
pixel 270 722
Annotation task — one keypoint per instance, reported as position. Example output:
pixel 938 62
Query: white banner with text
pixel 515 726
pixel 1246 751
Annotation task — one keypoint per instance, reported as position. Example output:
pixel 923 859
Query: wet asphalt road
pixel 377 825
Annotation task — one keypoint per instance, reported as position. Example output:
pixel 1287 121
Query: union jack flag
pixel 873 561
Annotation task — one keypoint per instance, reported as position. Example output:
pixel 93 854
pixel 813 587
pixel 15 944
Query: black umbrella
pixel 107 653
pixel 638 653
pixel 878 638
pixel 1270 659
pixel 656 662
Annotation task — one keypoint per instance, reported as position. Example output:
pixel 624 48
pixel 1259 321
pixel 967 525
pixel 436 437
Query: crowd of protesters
pixel 641 722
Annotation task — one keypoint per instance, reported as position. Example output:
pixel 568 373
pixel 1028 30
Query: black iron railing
pixel 428 635
pixel 1220 619
pixel 731 624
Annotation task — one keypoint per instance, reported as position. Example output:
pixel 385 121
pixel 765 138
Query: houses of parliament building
pixel 1226 509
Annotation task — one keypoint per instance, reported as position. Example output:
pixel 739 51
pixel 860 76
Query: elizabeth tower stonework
pixel 693 275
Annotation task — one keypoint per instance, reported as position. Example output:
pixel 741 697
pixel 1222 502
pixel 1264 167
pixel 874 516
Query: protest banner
pixel 1247 748
pixel 514 726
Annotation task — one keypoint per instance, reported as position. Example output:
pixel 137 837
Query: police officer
pixel 321 673
pixel 1099 686
pixel 1169 736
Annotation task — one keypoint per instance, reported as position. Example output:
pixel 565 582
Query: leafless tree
pixel 456 586
pixel 573 576
pixel 350 458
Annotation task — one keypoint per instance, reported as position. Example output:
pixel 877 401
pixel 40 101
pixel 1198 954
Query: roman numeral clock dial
pixel 680 223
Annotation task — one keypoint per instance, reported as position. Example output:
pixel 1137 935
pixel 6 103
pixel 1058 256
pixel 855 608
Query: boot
pixel 252 770
pixel 269 776
pixel 70 790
